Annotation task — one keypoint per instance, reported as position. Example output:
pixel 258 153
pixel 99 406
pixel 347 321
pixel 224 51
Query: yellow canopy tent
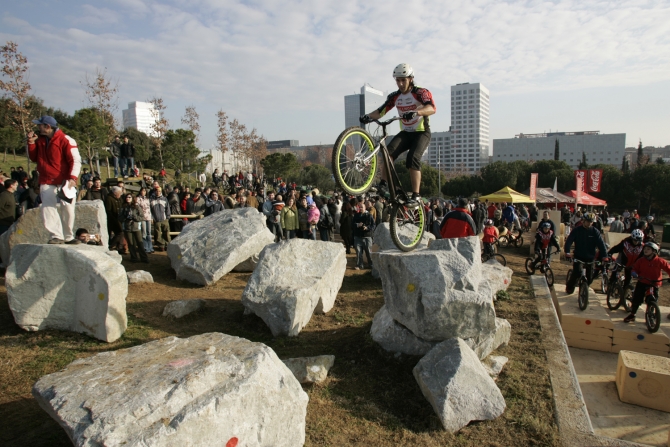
pixel 508 195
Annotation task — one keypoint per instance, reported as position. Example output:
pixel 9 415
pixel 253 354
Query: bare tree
pixel 102 94
pixel 222 134
pixel 160 125
pixel 190 120
pixel 15 71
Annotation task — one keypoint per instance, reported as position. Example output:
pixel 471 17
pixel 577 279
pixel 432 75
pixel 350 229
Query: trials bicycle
pixel 488 252
pixel 543 264
pixel 355 158
pixel 652 315
pixel 583 284
pixel 617 295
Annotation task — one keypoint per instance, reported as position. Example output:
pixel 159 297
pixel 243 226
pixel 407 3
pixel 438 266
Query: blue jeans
pixel 361 244
pixel 146 236
pixel 324 235
pixel 130 167
pixel 116 166
pixel 122 166
pixel 309 234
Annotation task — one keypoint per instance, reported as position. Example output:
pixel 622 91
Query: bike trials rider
pixel 630 249
pixel 586 239
pixel 648 267
pixel 415 104
pixel 544 238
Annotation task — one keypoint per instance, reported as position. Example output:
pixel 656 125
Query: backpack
pixel 325 222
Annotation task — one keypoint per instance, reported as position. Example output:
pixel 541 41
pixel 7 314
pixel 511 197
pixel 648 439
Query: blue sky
pixel 283 67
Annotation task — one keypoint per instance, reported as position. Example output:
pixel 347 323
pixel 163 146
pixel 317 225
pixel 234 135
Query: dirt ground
pixel 370 397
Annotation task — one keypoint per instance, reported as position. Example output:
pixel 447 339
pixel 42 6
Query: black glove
pixel 365 119
pixel 408 116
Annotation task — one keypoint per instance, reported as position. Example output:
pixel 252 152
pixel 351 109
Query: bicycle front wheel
pixel 518 242
pixel 583 299
pixel 406 226
pixel 500 258
pixel 652 317
pixel 530 266
pixel 567 276
pixel 614 296
pixel 353 167
pixel 503 241
pixel 549 274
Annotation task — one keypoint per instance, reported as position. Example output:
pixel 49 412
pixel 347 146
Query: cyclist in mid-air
pixel 415 104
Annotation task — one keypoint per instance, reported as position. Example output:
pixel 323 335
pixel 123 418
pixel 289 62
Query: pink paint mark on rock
pixel 180 363
pixel 232 442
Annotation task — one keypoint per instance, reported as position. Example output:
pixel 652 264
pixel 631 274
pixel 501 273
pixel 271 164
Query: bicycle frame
pixel 391 174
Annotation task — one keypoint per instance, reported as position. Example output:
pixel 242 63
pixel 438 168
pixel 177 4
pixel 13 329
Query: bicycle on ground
pixel 355 167
pixel 583 284
pixel 652 315
pixel 617 296
pixel 541 262
pixel 488 252
pixel 509 238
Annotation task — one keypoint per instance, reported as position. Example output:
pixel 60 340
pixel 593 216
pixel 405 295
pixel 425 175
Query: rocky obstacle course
pixel 76 288
pixel 29 229
pixel 209 389
pixel 209 248
pixel 294 279
pixel 458 386
pixel 439 303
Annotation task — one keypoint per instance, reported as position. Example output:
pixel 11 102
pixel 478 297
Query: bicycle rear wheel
pixel 500 258
pixel 352 172
pixel 549 274
pixel 652 317
pixel 583 298
pixel 530 266
pixel 614 296
pixel 406 226
pixel 518 242
pixel 626 299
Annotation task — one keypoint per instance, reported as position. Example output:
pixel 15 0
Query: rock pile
pixel 29 229
pixel 209 389
pixel 293 279
pixel 209 248
pixel 382 239
pixel 439 303
pixel 76 288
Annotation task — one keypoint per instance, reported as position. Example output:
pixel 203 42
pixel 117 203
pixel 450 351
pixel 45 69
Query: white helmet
pixel 403 71
pixel 637 235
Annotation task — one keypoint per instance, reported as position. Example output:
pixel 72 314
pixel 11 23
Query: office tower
pixel 438 154
pixel 469 127
pixel 357 105
pixel 141 116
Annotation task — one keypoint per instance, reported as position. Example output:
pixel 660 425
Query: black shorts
pixel 414 142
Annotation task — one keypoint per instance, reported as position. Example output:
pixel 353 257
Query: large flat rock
pixel 458 386
pixel 77 288
pixel 29 229
pixel 207 390
pixel 294 279
pixel 438 293
pixel 209 248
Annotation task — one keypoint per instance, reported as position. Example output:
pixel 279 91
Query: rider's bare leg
pixel 415 180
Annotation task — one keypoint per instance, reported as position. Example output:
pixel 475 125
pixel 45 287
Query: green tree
pixel 318 176
pixel 429 178
pixel 285 166
pixel 650 183
pixel 463 186
pixel 498 175
pixel 640 156
pixel 583 164
pixel 660 161
pixel 90 130
pixel 179 151
pixel 625 166
pixel 556 151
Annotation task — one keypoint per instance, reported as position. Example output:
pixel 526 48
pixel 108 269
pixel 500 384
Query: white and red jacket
pixel 57 158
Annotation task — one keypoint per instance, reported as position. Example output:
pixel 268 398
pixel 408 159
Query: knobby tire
pixel 583 299
pixel 352 178
pixel 652 317
pixel 407 226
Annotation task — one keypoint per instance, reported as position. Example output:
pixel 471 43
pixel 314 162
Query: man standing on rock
pixel 58 165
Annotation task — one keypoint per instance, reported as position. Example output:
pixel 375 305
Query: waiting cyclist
pixel 649 232
pixel 544 239
pixel 490 236
pixel 415 104
pixel 648 267
pixel 587 240
pixel 508 216
pixel 629 249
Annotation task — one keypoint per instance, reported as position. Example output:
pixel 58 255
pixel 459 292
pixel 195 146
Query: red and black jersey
pixel 629 252
pixel 409 102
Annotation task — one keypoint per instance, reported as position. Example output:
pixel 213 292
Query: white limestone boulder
pixel 207 390
pixel 437 293
pixel 76 288
pixel 457 385
pixel 494 364
pixel 247 266
pixel 181 308
pixel 209 248
pixel 29 229
pixel 293 279
pixel 310 370
pixel 485 344
pixel 497 276
pixel 139 276
pixel 394 337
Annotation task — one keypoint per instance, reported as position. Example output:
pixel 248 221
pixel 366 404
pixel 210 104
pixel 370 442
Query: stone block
pixel 310 369
pixel 206 390
pixel 644 380
pixel 181 308
pixel 394 337
pixel 76 288
pixel 139 276
pixel 29 229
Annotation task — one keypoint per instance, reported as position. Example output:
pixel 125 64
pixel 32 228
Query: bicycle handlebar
pixel 387 122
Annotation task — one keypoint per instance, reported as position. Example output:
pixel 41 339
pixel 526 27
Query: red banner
pixel 533 186
pixel 581 175
pixel 595 179
pixel 579 188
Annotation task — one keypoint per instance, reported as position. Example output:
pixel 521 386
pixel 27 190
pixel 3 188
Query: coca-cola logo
pixel 595 180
